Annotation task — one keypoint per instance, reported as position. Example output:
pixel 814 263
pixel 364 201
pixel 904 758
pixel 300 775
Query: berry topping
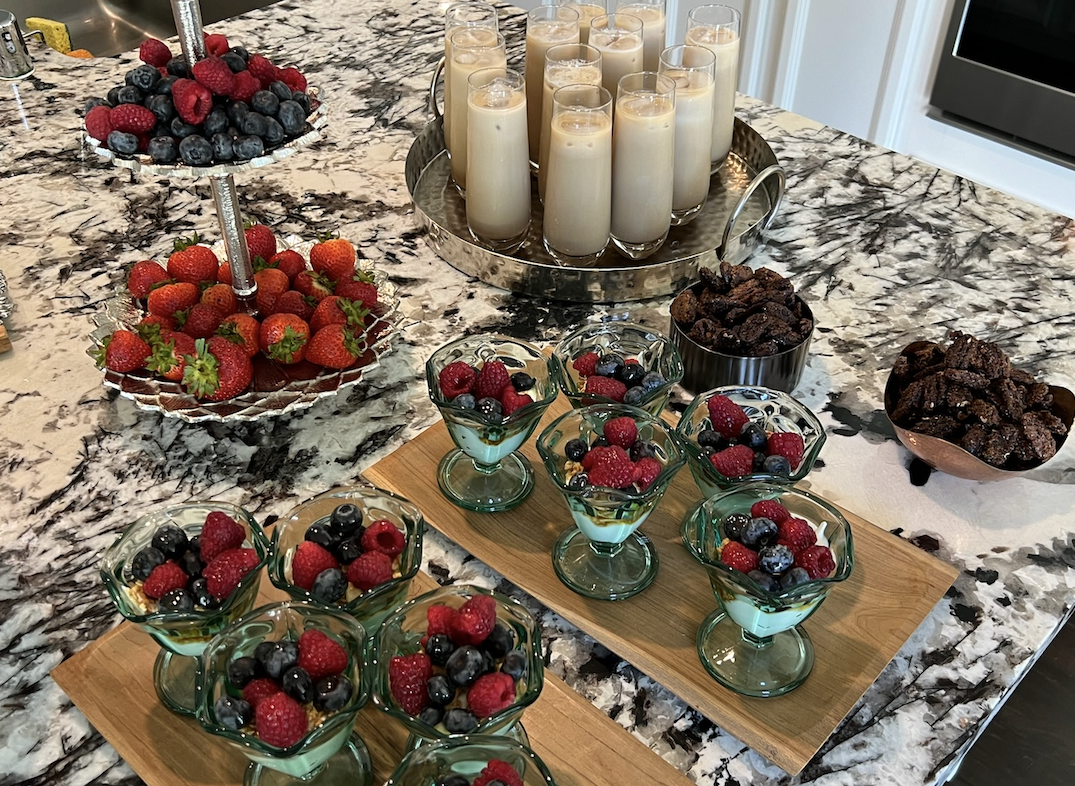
pixel 320 656
pixel 164 579
pixel 154 52
pixel 759 532
pixel 215 74
pixel 651 468
pixel 739 557
pixel 727 417
pixel 497 770
pixel 611 466
pixel 220 533
pixel 309 561
pixel 775 559
pixel 474 620
pixel 385 537
pixel 787 444
pixel 407 677
pixel 733 462
pixel 369 570
pixel 621 431
pixel 512 401
pixel 585 364
pixel 332 693
pixel 606 387
pixel 224 573
pixel 770 509
pixel 439 620
pixel 492 379
pixel 258 689
pixel 281 721
pixel 491 693
pixel 816 561
pixel 796 534
pixel 456 379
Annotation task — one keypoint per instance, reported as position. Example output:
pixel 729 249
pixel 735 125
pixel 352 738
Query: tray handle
pixel 773 170
pixel 437 113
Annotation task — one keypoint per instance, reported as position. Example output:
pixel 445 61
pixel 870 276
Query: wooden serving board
pixel 111 681
pixel 856 632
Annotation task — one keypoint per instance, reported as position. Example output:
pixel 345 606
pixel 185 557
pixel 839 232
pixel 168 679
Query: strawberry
pixel 314 284
pixel 162 322
pixel 280 720
pixel 215 44
pixel 244 87
pixel 243 331
pixel 612 468
pixel 309 560
pixel 816 560
pixel 193 100
pixel 289 261
pixel 223 273
pixel 385 537
pixel 293 78
pixel 214 74
pixel 498 770
pixel 221 297
pixel 727 417
pixel 132 118
pixel 168 299
pixel 770 509
pixel 294 302
pixel 407 677
pixel 283 337
pixel 320 655
pixel 360 288
pixel 144 276
pixel 585 364
pixel 334 346
pixel 124 351
pixel 335 310
pixel 218 370
pixel 271 284
pixel 154 52
pixel 223 574
pixel 261 241
pixel 164 578
pixel 512 401
pixel 333 256
pixel 201 320
pixel 490 694
pixel 261 67
pixel 99 123
pixel 456 379
pixel 474 620
pixel 733 462
pixel 739 557
pixel 651 468
pixel 191 261
pixel 492 379
pixel 796 534
pixel 787 444
pixel 370 570
pixel 169 355
pixel 605 387
pixel 220 533
pixel 621 431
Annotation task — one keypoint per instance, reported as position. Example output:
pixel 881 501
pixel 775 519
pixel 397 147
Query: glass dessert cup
pixel 485 472
pixel 401 634
pixel 754 643
pixel 467 756
pixel 369 607
pixel 773 410
pixel 330 753
pixel 603 556
pixel 181 635
pixel 653 350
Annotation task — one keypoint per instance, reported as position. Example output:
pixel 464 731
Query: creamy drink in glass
pixel 651 12
pixel 643 160
pixel 618 37
pixel 546 26
pixel 567 64
pixel 691 68
pixel 716 27
pixel 498 162
pixel 473 48
pixel 587 10
pixel 578 196
pixel 459 15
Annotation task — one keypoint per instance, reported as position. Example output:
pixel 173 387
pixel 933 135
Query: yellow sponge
pixel 56 34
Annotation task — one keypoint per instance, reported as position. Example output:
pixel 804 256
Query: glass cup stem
pixel 605 550
pixel 761 642
pixel 485 469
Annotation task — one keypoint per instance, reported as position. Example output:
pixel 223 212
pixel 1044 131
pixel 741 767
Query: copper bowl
pixel 948 457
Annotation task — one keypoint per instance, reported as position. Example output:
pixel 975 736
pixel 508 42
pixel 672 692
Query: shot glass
pixel 643 157
pixel 473 48
pixel 546 26
pixel 587 10
pixel 578 196
pixel 458 16
pixel 716 27
pixel 691 68
pixel 651 12
pixel 566 64
pixel 498 164
pixel 618 37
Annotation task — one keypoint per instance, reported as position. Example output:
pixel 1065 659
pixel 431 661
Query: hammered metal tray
pixel 743 199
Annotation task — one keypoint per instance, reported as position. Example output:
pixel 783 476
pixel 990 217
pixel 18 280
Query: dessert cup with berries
pixel 182 574
pixel 737 434
pixel 772 553
pixel 618 362
pixel 612 464
pixel 354 549
pixel 473 760
pixel 283 685
pixel 491 391
pixel 459 660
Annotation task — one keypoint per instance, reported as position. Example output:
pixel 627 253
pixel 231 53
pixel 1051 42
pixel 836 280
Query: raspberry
pixel 439 620
pixel 611 467
pixel 164 578
pixel 585 364
pixel 497 770
pixel 816 560
pixel 258 689
pixel 369 570
pixel 280 720
pixel 220 533
pixel 739 557
pixel 215 74
pixel 215 43
pixel 320 655
pixel 770 509
pixel 474 620
pixel 456 379
pixel 794 533
pixel 651 468
pixel 787 444
pixel 293 78
pixel 132 119
pixel 727 417
pixel 193 101
pixel 309 560
pixel 512 401
pixel 244 87
pixel 606 387
pixel 733 462
pixel 154 52
pixel 385 537
pixel 99 124
pixel 407 677
pixel 492 379
pixel 224 573
pixel 260 67
pixel 490 694
pixel 621 431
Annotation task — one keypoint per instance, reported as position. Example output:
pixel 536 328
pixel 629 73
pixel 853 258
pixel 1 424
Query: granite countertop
pixel 885 249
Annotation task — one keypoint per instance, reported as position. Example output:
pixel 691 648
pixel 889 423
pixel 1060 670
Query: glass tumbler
pixel 618 37
pixel 458 16
pixel 716 27
pixel 566 64
pixel 587 10
pixel 691 67
pixel 652 14
pixel 473 48
pixel 546 26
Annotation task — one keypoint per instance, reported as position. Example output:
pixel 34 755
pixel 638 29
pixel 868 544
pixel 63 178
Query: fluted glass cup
pixel 716 27
pixel 652 14
pixel 473 48
pixel 467 757
pixel 546 26
pixel 181 635
pixel 691 68
pixel 754 643
pixel 456 17
pixel 587 10
pixel 619 39
pixel 565 64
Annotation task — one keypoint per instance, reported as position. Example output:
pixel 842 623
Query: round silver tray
pixel 743 199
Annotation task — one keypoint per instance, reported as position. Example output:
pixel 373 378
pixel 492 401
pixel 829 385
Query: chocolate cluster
pixel 739 311
pixel 970 395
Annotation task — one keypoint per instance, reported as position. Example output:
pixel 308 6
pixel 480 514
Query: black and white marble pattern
pixel 886 250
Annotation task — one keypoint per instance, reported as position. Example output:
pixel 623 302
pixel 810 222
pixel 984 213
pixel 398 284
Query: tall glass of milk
pixel 587 10
pixel 546 26
pixel 691 68
pixel 473 48
pixel 716 27
pixel 567 64
pixel 651 12
pixel 459 15
pixel 618 37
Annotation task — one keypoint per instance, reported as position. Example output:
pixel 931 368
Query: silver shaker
pixel 15 60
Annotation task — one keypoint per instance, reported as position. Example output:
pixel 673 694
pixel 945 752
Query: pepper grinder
pixel 15 60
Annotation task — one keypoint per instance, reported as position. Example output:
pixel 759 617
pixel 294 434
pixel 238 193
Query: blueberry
pixel 233 713
pixel 247 147
pixel 265 102
pixel 759 532
pixel 145 77
pixel 758 462
pixel 297 684
pixel 171 540
pixel 642 449
pixel 199 588
pixel 162 107
pixel 499 641
pixel 439 690
pixel 464 666
pixel 234 61
pixel 292 117
pixel 600 442
pixel 330 585
pixel 460 721
pixel 322 535
pixel 774 465
pixel 262 650
pixel 93 103
pixel 130 95
pixel 652 381
pixel 280 90
pixel 274 132
pixel 490 408
pixel 765 581
pixel 753 436
pixel 438 648
pixel 113 96
pixel 164 86
pixel 176 600
pixel 237 110
pixel 241 51
pixel 215 122
pixel 465 400
pixel 433 715
pixel 734 524
pixel 775 559
pixel 332 692
pixel 302 100
pixel 608 365
pixel 522 381
pixel 794 577
pixel 242 670
pixel 631 374
pixel 633 396
pixel 122 143
pixel 346 519
pixel 579 482
pixel 575 449
pixel 451 780
pixel 191 564
pixel 708 438
pixel 278 658
pixel 195 150
pixel 144 562
pixel 348 550
pixel 181 129
pixel 514 665
pixel 177 66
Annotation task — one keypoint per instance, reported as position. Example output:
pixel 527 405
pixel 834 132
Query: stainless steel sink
pixel 108 27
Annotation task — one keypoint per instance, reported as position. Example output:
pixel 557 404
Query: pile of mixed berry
pixel 230 106
pixel 617 459
pixel 611 376
pixel 468 670
pixel 737 446
pixel 341 557
pixel 495 773
pixel 180 574
pixel 195 331
pixel 286 688
pixel 773 547
pixel 488 390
